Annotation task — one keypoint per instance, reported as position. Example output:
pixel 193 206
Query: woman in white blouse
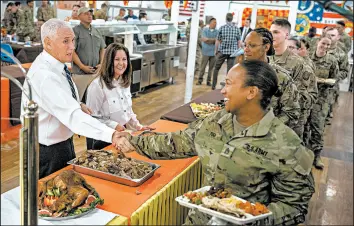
pixel 109 95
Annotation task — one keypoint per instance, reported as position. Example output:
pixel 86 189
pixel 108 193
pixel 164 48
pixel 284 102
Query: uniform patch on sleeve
pixel 227 151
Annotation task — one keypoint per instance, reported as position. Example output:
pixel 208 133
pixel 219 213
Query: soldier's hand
pixel 88 69
pixel 120 142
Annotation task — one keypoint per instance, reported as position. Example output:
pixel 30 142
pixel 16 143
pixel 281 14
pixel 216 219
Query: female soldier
pixel 244 147
pixel 259 44
pixel 109 94
pixel 326 67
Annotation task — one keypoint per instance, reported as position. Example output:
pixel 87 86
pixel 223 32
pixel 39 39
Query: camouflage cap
pixel 83 10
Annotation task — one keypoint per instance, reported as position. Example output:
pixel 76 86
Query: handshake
pixel 120 140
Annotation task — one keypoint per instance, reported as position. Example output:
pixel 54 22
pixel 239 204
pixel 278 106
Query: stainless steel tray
pixel 113 177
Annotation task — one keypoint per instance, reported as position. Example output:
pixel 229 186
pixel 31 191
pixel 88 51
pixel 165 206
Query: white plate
pixel 249 218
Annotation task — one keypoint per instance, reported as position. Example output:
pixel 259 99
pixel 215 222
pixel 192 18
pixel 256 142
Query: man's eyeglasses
pixel 251 46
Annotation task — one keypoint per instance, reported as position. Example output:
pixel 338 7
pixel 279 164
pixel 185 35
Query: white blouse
pixel 114 104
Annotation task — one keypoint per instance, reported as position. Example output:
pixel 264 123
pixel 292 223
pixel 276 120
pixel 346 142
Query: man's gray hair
pixel 51 27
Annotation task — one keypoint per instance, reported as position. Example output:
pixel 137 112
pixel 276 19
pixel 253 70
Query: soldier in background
pixel 74 12
pixel 342 59
pixel 102 13
pixel 243 147
pixel 45 12
pixel 304 52
pixel 257 45
pixel 25 25
pixel 326 67
pixel 311 36
pixel 11 26
pixel 121 14
pixel 300 72
pixel 7 14
pixel 344 37
pixel 198 55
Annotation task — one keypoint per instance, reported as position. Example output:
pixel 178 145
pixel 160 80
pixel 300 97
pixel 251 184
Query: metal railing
pixel 29 152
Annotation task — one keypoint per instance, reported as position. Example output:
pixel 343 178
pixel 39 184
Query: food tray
pixel 249 218
pixel 115 178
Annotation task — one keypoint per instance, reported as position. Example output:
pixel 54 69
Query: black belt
pixel 60 143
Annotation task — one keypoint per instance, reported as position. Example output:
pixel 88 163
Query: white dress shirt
pixel 114 104
pixel 59 114
pixel 244 33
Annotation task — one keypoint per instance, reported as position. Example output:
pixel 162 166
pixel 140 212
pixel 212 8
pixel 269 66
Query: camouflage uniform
pixel 305 81
pixel 25 26
pixel 45 13
pixel 7 17
pixel 101 14
pixel 342 59
pixel 342 47
pixel 198 55
pixel 12 23
pixel 119 17
pixel 264 162
pixel 347 41
pixel 287 106
pixel 313 43
pixel 307 130
pixel 326 67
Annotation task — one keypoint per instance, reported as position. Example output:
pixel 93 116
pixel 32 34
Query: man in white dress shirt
pixel 60 114
pixel 246 29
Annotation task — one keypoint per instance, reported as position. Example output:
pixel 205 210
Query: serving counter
pixel 153 202
pixel 184 114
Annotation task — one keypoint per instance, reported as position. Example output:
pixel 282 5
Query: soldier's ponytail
pixel 262 75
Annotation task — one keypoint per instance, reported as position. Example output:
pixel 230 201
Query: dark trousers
pixel 55 157
pixel 93 144
pixel 205 60
pixel 220 58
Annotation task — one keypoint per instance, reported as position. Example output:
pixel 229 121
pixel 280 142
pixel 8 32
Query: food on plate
pixel 221 199
pixel 195 197
pixel 110 162
pixel 204 109
pixel 210 202
pixel 220 192
pixel 255 210
pixel 66 194
pixel 224 205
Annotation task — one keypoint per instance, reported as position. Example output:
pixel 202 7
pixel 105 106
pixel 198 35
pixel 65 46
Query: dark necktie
pixel 68 77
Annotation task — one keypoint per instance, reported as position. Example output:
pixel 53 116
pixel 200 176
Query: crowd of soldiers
pixel 308 60
pixel 327 56
pixel 306 102
pixel 19 21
